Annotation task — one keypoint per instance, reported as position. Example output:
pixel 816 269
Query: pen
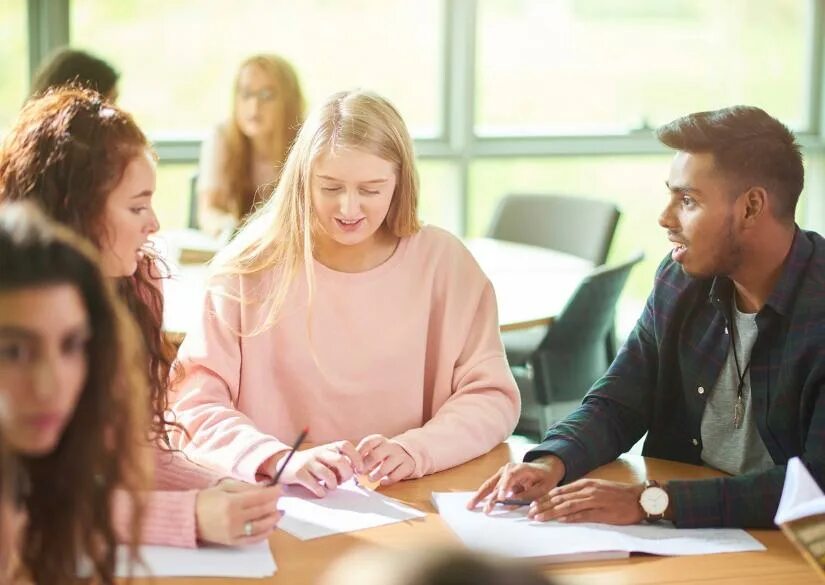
pixel 514 502
pixel 297 444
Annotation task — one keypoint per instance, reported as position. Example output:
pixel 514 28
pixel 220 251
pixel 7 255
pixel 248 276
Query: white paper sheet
pixel 801 495
pixel 510 533
pixel 348 508
pixel 253 561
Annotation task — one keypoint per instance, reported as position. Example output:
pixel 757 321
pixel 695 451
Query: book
pixel 509 532
pixel 801 514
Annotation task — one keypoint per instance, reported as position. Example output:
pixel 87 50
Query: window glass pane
pixel 440 194
pixel 14 73
pixel 171 200
pixel 602 66
pixel 178 59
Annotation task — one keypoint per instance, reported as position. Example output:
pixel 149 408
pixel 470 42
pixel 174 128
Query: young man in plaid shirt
pixel 726 365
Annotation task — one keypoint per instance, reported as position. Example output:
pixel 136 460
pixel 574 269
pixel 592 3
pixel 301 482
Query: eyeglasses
pixel 262 95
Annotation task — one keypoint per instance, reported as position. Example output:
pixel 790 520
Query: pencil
pixel 295 446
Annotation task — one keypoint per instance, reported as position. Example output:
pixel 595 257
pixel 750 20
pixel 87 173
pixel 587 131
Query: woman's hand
pixel 385 459
pixel 323 468
pixel 236 513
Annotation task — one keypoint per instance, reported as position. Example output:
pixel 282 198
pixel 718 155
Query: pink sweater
pixel 169 513
pixel 410 349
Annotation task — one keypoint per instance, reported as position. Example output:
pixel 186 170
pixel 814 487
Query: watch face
pixel 654 501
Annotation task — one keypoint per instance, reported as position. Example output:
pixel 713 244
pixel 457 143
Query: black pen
pixel 514 502
pixel 297 444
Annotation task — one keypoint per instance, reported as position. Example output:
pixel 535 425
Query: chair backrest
pixel 575 225
pixel 572 355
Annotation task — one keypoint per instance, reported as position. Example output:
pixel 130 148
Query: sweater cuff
pixel 248 466
pixel 412 447
pixel 170 519
pixel 697 503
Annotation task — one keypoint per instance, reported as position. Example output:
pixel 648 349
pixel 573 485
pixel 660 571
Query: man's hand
pixel 525 481
pixel 590 500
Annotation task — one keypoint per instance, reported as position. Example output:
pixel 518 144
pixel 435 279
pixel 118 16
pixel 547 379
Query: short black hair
pixel 71 66
pixel 747 145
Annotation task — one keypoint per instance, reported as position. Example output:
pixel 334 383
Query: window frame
pixel 458 142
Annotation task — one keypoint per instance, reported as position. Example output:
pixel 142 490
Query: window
pixel 565 91
pixel 14 74
pixel 569 67
pixel 178 59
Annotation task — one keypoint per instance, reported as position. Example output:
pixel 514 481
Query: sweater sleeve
pixel 169 514
pixel 175 471
pixel 220 437
pixel 168 518
pixel 484 402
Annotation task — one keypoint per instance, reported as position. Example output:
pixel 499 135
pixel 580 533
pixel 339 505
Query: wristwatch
pixel 654 501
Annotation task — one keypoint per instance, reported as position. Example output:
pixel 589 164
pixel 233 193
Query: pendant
pixel 738 413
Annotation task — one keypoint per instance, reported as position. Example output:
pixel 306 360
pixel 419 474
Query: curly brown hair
pixel 102 447
pixel 67 150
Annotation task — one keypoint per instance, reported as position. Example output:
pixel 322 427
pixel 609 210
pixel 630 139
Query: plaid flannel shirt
pixel 676 351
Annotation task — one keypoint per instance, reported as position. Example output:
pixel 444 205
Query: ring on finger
pixel 247 528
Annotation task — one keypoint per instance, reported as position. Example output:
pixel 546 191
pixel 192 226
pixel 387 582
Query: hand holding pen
pixel 320 469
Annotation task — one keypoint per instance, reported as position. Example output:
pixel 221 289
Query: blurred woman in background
pixel 73 404
pixel 241 161
pixel 73 67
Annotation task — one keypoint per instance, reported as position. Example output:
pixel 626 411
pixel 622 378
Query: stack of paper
pixel 511 533
pixel 346 509
pixel 253 561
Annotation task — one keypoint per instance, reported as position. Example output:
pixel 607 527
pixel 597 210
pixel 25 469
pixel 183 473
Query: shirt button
pixel 701 390
pixel 695 442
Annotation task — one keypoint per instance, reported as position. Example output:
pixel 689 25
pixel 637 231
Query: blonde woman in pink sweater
pixel 335 309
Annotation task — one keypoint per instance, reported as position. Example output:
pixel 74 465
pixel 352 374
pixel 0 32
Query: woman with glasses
pixel 241 161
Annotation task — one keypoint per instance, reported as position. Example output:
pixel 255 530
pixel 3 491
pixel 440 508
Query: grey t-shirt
pixel 725 447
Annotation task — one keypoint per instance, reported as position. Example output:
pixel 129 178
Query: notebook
pixel 801 514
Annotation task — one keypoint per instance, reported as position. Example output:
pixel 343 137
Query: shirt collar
pixel 780 300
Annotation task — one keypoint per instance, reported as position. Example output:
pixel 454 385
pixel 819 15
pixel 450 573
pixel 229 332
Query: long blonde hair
pixel 279 235
pixel 239 196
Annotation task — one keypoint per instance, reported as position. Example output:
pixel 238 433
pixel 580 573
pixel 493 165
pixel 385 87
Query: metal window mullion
pixel 48 22
pixel 460 64
pixel 813 91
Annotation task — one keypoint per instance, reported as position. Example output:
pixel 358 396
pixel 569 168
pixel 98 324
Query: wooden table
pixel 532 284
pixel 303 562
